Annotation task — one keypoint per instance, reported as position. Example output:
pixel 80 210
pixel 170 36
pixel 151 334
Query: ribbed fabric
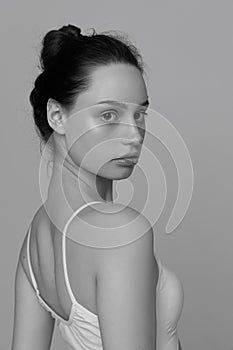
pixel 81 331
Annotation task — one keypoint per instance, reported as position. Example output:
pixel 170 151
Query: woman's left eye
pixel 141 114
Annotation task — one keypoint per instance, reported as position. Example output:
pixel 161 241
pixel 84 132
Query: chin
pixel 108 171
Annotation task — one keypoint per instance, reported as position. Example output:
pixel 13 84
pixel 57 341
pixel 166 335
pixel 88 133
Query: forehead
pixel 122 82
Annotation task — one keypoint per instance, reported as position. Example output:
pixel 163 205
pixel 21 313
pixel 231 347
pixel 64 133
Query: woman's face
pixel 97 132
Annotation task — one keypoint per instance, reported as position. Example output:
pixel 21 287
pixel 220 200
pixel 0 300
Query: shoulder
pixel 111 215
pixel 108 222
pixel 110 231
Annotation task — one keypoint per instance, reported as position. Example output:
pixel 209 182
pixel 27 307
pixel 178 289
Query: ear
pixel 56 116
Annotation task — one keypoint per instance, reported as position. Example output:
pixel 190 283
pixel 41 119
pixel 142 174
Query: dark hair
pixel 67 61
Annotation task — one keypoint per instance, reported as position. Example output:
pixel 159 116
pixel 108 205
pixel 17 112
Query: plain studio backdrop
pixel 187 47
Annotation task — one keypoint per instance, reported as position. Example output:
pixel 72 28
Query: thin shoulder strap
pixel 64 249
pixel 29 261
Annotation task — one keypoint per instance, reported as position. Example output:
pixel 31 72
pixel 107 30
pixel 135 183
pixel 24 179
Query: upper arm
pixel 33 325
pixel 126 287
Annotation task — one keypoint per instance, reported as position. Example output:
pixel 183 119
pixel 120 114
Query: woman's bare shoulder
pixel 115 212
pixel 109 225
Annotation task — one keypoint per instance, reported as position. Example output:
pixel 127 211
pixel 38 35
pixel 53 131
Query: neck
pixel 73 182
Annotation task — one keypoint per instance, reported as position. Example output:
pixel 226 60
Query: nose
pixel 133 133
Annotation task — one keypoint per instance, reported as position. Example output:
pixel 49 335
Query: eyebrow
pixel 121 104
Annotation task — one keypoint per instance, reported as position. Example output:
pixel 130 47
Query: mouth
pixel 126 160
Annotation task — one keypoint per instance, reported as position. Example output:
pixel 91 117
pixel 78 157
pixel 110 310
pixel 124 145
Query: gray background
pixel 187 46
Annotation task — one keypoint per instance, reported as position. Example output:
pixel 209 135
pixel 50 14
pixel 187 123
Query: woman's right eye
pixel 107 116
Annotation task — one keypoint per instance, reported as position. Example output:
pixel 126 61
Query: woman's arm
pixel 126 295
pixel 33 325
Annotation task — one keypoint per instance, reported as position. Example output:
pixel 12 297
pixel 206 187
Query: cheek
pixel 89 145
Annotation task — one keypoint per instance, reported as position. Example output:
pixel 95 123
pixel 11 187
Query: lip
pixel 128 156
pixel 126 160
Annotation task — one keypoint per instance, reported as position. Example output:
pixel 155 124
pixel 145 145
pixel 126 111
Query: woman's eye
pixel 141 115
pixel 107 116
pixel 111 116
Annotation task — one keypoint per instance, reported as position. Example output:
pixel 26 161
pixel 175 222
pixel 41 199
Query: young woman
pixel 103 296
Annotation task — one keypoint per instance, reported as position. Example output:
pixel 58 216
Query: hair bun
pixel 55 41
pixel 71 30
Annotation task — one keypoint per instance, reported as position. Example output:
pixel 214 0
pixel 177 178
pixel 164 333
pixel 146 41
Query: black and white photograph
pixel 116 191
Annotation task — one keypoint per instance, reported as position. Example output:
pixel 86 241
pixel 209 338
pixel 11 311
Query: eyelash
pixel 108 112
